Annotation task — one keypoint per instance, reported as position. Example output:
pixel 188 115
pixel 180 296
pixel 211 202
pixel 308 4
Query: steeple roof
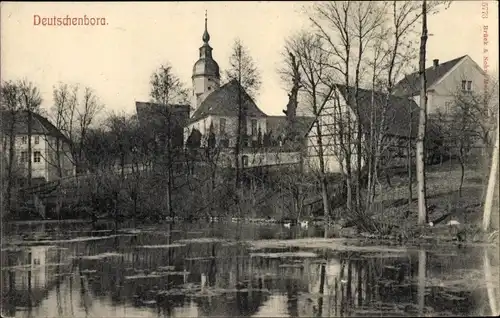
pixel 206 65
pixel 206 36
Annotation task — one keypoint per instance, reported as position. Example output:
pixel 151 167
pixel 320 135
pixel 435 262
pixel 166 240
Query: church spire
pixel 206 36
pixel 206 76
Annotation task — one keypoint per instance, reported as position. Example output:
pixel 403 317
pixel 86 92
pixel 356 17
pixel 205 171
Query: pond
pixel 230 270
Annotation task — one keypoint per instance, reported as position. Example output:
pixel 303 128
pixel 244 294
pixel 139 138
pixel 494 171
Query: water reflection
pixel 181 272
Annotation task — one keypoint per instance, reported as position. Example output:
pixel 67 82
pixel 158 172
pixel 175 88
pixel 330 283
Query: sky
pixel 117 59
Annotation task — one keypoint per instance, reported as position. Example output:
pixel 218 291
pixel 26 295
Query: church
pixel 215 107
pixel 212 117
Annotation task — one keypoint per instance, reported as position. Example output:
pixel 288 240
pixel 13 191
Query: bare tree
pixel 127 147
pixel 30 102
pixel 62 99
pixel 397 54
pixel 458 126
pixel 166 90
pixel 481 111
pixel 74 115
pixel 10 94
pixel 332 21
pixel 291 74
pixel 368 20
pixel 317 91
pixel 242 69
pixel 87 111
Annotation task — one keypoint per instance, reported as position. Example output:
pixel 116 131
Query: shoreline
pixel 24 222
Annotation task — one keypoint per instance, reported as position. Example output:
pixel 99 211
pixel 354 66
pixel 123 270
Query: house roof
pixel 410 85
pixel 400 110
pixel 153 113
pixel 278 125
pixel 39 124
pixel 224 102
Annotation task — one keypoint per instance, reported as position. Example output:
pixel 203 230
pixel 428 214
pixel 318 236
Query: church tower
pixel 206 77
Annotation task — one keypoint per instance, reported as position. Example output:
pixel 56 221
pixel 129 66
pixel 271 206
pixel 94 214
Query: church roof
pixel 410 85
pixel 224 102
pixel 154 115
pixel 40 125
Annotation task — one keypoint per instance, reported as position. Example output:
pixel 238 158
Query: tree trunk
pixel 239 128
pixel 371 153
pixel 409 160
pixel 488 203
pixel 122 166
pixel 485 171
pixel 422 206
pixel 462 171
pixel 324 182
pixel 358 126
pixel 30 155
pixel 348 164
pixel 10 172
pixel 169 166
pixel 422 268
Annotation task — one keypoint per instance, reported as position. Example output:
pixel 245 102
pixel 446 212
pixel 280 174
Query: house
pixel 51 153
pixel 444 81
pixel 400 120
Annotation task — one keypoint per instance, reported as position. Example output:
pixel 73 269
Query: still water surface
pixel 210 271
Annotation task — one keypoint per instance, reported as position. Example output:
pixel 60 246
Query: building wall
pixel 202 87
pixel 257 159
pixel 46 168
pixel 39 169
pixel 231 128
pixel 441 95
pixel 330 141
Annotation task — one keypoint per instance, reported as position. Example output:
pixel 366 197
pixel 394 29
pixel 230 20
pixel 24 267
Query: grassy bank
pixel 445 203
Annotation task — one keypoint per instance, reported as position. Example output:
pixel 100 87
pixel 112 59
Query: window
pixel 37 140
pixel 463 85
pixel 24 140
pixel 469 85
pixel 222 126
pixel 254 127
pixel 244 160
pixel 37 156
pixel 24 156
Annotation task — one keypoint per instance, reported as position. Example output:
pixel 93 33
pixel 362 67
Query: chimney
pixel 436 62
